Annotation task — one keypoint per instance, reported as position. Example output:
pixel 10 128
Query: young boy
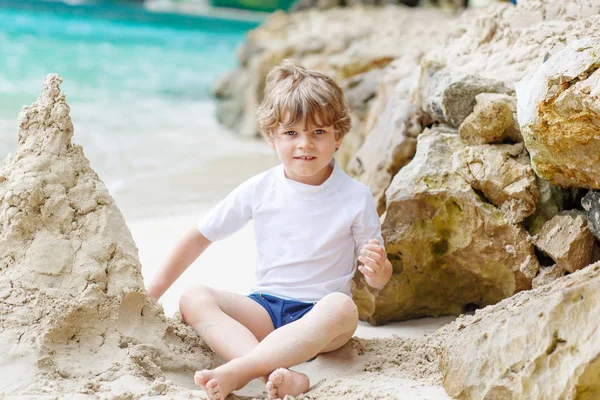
pixel 311 223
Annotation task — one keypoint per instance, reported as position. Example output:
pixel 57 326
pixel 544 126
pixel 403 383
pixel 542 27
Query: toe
pixel 276 376
pixel 211 384
pixel 199 378
pixel 212 389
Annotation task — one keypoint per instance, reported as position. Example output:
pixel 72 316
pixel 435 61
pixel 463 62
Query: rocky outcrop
pixel 464 76
pixel 539 344
pixel 74 311
pixel 449 247
pixel 559 115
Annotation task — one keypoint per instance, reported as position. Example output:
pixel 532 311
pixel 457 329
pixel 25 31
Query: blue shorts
pixel 282 311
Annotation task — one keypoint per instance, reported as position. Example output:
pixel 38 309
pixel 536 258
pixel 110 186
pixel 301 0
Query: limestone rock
pixel 591 205
pixel 539 344
pixel 547 275
pixel 359 92
pixel 567 239
pixel 390 145
pixel 493 120
pixel 72 298
pixel 448 95
pixel 449 248
pixel 504 176
pixel 553 9
pixel 559 115
pixel 505 42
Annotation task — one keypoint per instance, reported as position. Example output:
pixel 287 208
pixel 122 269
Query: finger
pixel 375 247
pixel 370 263
pixel 374 241
pixel 366 270
pixel 373 255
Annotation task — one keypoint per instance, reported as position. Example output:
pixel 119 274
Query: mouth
pixel 305 158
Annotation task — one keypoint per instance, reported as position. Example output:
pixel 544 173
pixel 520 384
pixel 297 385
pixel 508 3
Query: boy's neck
pixel 313 180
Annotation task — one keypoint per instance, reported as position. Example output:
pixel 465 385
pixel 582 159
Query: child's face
pixel 305 151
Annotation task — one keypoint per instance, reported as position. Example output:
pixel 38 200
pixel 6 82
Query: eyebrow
pixel 288 129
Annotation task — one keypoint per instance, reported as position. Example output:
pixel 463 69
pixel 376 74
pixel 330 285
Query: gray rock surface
pixel 448 95
pixel 591 205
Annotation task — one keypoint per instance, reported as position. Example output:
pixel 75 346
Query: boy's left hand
pixel 374 257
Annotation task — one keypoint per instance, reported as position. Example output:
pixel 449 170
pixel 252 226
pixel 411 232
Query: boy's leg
pixel 230 324
pixel 327 327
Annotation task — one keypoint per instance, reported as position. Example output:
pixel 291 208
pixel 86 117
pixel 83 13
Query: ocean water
pixel 139 93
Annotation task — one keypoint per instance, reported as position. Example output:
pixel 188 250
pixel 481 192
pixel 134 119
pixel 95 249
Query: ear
pixel 338 143
pixel 271 142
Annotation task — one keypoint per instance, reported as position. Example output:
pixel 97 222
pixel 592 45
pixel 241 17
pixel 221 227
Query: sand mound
pixel 74 316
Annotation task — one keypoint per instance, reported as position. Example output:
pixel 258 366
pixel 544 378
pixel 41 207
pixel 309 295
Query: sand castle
pixel 74 315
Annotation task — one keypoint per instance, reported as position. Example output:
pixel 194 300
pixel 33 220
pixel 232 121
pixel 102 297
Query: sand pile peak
pixel 46 125
pixel 74 315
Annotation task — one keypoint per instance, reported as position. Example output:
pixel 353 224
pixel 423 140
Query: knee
pixel 342 310
pixel 194 300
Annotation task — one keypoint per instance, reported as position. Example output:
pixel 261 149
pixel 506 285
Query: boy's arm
pixel 187 250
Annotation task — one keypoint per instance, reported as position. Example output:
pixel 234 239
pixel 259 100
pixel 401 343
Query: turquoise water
pixel 119 60
pixel 140 99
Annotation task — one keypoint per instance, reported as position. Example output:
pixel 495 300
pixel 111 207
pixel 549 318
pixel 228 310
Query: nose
pixel 305 142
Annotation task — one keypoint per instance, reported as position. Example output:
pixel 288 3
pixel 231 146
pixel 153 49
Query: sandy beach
pixel 229 265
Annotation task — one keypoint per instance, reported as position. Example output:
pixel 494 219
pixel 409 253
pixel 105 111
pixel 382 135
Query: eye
pixel 290 133
pixel 319 131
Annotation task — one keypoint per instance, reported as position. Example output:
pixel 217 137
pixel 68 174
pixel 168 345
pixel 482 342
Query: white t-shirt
pixel 308 237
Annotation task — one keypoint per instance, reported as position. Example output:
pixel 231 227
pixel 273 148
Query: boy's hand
pixel 376 266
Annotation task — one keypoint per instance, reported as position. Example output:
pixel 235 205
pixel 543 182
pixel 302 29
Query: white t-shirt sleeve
pixel 230 215
pixel 366 225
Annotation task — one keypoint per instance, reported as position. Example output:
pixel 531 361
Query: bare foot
pixel 283 382
pixel 219 382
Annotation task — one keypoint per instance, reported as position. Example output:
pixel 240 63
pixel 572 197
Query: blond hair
pixel 294 93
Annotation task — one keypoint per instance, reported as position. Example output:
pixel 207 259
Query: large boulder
pixel 74 310
pixel 449 247
pixel 559 110
pixel 539 344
